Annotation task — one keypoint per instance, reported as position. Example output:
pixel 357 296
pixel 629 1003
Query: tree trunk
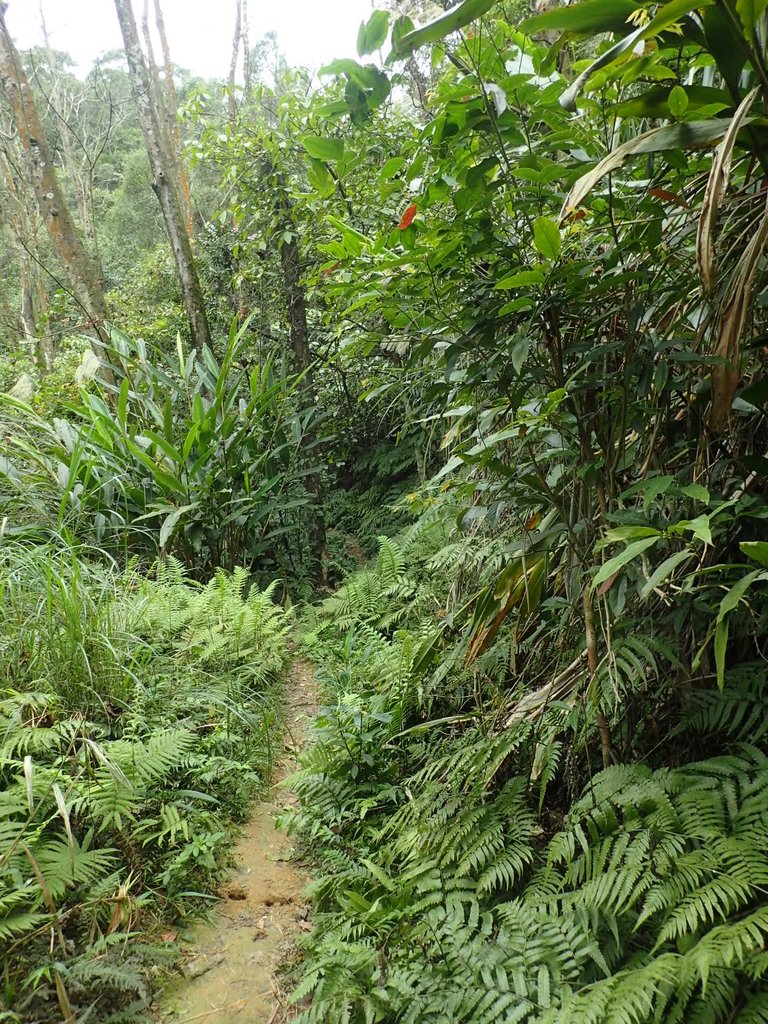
pixel 236 39
pixel 82 180
pixel 80 270
pixel 290 259
pixel 27 307
pixel 164 176
pixel 174 135
pixel 247 75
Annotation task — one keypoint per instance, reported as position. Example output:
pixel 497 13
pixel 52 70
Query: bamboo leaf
pixel 590 17
pixel 170 521
pixel 757 550
pixel 717 184
pixel 617 563
pixel 690 135
pixel 721 643
pixel 750 12
pixel 434 31
pixel 663 572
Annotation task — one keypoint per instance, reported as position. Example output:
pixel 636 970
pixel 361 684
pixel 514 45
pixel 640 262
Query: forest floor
pixel 232 968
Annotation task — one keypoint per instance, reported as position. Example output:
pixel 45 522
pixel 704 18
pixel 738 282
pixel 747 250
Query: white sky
pixel 310 32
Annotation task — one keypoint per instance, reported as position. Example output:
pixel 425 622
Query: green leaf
pixel 757 550
pixel 391 168
pixel 678 101
pixel 757 393
pixel 568 99
pixel 170 521
pixel 721 643
pixel 546 237
pixel 434 31
pixel 623 533
pixel 324 149
pixel 749 12
pixel 319 175
pixel 733 598
pixel 689 135
pixel 372 33
pixel 344 66
pixel 166 447
pixel 522 278
pixel 367 76
pixel 519 353
pixel 592 16
pixel 668 15
pixel 663 572
pixel 700 528
pixel 122 404
pixel 654 102
pixel 696 491
pixel 725 43
pixel 615 564
pixel 168 419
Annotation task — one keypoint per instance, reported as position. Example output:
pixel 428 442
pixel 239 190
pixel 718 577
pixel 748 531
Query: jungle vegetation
pixel 445 367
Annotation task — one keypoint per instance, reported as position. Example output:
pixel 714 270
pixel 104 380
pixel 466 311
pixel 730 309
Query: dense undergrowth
pixel 522 277
pixel 476 863
pixel 137 714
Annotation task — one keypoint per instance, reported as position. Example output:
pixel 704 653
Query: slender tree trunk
pixel 80 270
pixel 174 135
pixel 247 71
pixel 27 306
pixel 21 213
pixel 290 259
pixel 154 73
pixel 236 40
pixel 13 212
pixel 81 181
pixel 164 177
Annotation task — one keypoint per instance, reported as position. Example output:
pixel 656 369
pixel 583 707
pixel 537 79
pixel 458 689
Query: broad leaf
pixel 170 521
pixel 546 237
pixel 590 17
pixel 749 12
pixel 678 101
pixel 324 149
pixel 663 572
pixel 434 31
pixel 372 33
pixel 757 550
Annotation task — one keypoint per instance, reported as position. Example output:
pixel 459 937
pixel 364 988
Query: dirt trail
pixel 231 970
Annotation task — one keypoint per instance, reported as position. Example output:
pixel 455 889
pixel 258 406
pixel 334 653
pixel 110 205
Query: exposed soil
pixel 231 973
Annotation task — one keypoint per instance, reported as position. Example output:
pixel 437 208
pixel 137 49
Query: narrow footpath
pixel 232 973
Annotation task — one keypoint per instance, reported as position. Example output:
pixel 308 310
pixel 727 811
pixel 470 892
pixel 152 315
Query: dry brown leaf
pixel 717 185
pixel 725 376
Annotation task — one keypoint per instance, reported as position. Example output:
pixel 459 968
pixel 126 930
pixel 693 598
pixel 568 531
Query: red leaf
pixel 606 586
pixel 575 215
pixel 407 218
pixel 670 197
